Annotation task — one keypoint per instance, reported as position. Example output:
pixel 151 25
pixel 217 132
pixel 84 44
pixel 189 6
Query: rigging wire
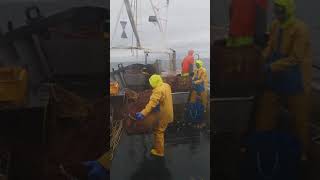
pixel 161 22
pixel 132 4
pixel 136 11
pixel 118 19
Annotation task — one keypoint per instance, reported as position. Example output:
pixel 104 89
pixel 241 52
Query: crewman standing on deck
pixel 160 105
pixel 187 64
pixel 248 22
pixel 200 85
pixel 288 72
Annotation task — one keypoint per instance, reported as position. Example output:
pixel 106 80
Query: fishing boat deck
pixel 187 156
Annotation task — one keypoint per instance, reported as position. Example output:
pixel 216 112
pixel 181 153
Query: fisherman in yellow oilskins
pixel 160 102
pixel 288 72
pixel 200 86
pixel 198 98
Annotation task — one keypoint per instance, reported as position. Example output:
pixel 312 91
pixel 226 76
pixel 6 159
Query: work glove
pixel 139 116
pixel 96 171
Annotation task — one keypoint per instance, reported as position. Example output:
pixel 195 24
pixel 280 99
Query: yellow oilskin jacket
pixel 201 76
pixel 296 45
pixel 161 95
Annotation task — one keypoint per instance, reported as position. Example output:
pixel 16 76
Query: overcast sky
pixel 188 25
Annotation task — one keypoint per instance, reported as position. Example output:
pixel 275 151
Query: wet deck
pixel 227 159
pixel 187 156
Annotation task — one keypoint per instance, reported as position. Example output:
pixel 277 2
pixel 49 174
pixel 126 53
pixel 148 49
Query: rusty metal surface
pixel 180 97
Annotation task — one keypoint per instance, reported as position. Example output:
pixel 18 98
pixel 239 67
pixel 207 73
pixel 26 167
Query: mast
pixel 133 24
pixel 136 22
pixel 132 7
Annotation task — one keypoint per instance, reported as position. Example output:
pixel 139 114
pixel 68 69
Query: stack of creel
pixel 134 68
pixel 134 77
pixel 178 83
pixel 237 71
pixel 68 144
pixel 131 95
pixel 139 101
pixel 73 145
pixel 69 105
pixel 137 105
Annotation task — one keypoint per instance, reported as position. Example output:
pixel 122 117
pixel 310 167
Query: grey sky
pixel 188 25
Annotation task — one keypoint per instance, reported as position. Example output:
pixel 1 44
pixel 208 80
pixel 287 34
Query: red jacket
pixel 243 17
pixel 187 61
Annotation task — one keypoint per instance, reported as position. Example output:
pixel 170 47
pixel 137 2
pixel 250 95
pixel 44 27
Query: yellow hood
pixel 199 62
pixel 289 5
pixel 155 80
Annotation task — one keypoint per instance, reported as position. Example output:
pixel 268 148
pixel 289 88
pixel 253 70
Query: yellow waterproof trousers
pixel 158 134
pixel 298 107
pixel 203 98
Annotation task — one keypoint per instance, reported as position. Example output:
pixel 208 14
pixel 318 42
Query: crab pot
pixel 139 127
pixel 237 71
pixel 178 83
